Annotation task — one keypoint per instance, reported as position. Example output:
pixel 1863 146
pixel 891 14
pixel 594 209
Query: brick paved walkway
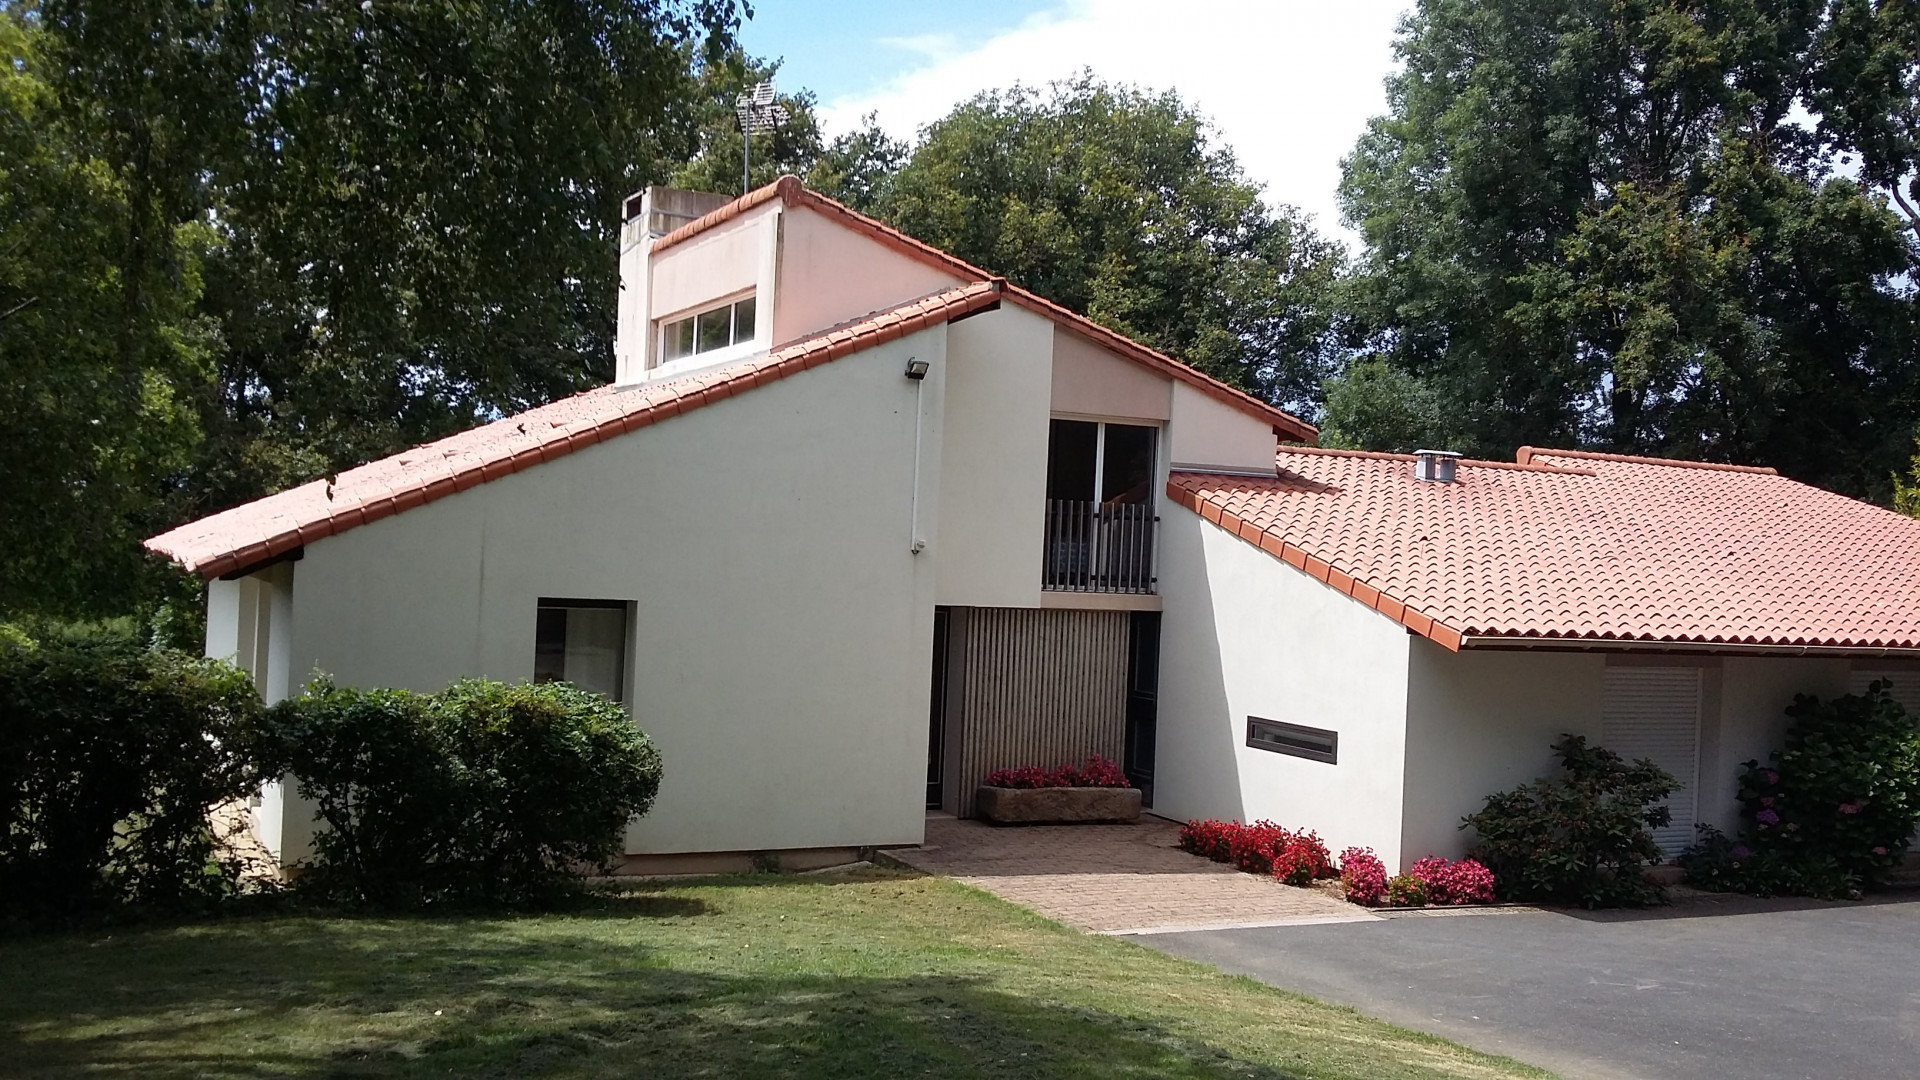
pixel 1114 878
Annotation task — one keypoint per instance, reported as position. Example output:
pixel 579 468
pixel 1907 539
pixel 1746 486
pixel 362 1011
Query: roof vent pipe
pixel 1434 466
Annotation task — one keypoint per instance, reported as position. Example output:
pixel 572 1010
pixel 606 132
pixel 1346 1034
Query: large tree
pixel 102 356
pixel 1119 205
pixel 1609 223
pixel 315 230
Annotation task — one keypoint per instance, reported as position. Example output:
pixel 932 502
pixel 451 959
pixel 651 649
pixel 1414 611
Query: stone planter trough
pixel 1056 806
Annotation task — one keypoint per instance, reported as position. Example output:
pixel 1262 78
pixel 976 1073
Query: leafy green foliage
pixel 1602 224
pixel 112 754
pixel 484 793
pixel 1832 812
pixel 791 147
pixel 1118 205
pixel 858 167
pixel 421 215
pixel 1405 890
pixel 1580 838
pixel 245 245
pixel 102 358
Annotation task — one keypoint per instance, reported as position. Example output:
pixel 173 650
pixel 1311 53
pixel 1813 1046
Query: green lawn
pixel 869 974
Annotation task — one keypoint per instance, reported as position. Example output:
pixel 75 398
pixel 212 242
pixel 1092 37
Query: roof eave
pixel 1538 643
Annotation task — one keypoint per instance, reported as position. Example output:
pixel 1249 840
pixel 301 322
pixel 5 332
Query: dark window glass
pixel 1315 744
pixel 1128 476
pixel 743 321
pixel 1071 446
pixel 583 642
pixel 550 645
pixel 677 339
pixel 715 330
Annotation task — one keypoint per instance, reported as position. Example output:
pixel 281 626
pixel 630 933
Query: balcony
pixel 1100 548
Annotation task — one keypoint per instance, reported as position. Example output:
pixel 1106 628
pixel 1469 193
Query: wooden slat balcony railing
pixel 1095 548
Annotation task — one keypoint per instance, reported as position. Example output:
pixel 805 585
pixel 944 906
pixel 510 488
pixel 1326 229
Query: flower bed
pixel 1300 858
pixel 1098 772
pixel 1429 882
pixel 1095 792
pixel 1296 858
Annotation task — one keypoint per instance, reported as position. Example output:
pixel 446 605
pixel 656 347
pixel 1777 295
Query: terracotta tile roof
pixel 793 193
pixel 265 528
pixel 1573 547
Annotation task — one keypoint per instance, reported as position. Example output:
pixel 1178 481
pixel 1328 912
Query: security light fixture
pixel 916 369
pixel 759 111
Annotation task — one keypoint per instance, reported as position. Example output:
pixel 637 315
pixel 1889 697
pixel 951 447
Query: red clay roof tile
pixel 267 528
pixel 1571 545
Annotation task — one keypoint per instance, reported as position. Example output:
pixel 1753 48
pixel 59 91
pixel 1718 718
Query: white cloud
pixel 1289 85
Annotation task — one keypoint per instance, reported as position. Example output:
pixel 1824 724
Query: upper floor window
pixel 1105 464
pixel 716 328
pixel 1100 518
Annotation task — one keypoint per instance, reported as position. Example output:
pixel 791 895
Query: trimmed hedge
pixel 111 756
pixel 485 793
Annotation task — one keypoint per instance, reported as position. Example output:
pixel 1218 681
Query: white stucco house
pixel 857 522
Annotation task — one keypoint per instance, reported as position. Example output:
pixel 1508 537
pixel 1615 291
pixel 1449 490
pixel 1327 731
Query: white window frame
pixel 736 347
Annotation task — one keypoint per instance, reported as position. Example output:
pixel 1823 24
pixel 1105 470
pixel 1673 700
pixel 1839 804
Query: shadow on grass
pixel 566 997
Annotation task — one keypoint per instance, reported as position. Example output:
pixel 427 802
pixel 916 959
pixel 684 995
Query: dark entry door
pixel 1143 700
pixel 937 711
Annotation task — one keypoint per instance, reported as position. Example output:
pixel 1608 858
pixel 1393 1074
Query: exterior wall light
pixel 916 369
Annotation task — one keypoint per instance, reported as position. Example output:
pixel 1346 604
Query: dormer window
pixel 706 331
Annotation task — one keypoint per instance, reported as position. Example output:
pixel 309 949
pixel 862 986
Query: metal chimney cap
pixel 1435 466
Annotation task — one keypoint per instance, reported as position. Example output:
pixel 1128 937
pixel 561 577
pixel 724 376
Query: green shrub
pixel 484 793
pixel 1831 813
pixel 1405 890
pixel 1582 838
pixel 111 756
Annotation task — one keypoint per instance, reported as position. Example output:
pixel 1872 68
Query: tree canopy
pixel 1120 205
pixel 260 242
pixel 1651 226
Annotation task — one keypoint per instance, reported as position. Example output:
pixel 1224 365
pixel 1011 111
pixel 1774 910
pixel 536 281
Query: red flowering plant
pixel 1260 848
pixel 1363 875
pixel 1208 839
pixel 1097 772
pixel 1462 882
pixel 1302 860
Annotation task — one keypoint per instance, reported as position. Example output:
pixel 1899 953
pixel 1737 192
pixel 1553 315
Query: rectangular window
pixel 1314 744
pixel 583 642
pixel 716 328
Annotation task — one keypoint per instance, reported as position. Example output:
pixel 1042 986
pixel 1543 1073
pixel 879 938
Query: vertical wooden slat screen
pixel 1037 688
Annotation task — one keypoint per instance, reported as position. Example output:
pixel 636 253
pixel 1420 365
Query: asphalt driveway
pixel 1705 990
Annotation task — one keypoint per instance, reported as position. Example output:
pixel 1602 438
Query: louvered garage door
pixel 1905 688
pixel 1654 712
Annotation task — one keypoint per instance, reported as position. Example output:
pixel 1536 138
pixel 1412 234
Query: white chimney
pixel 646 217
pixel 1434 466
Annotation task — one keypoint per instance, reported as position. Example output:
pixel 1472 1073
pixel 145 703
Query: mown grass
pixel 868 974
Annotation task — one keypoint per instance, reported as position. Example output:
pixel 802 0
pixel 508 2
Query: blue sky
pixel 1288 84
pixel 850 47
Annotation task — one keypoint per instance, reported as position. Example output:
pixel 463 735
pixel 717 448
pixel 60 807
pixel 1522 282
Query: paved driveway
pixel 1113 878
pixel 1710 989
